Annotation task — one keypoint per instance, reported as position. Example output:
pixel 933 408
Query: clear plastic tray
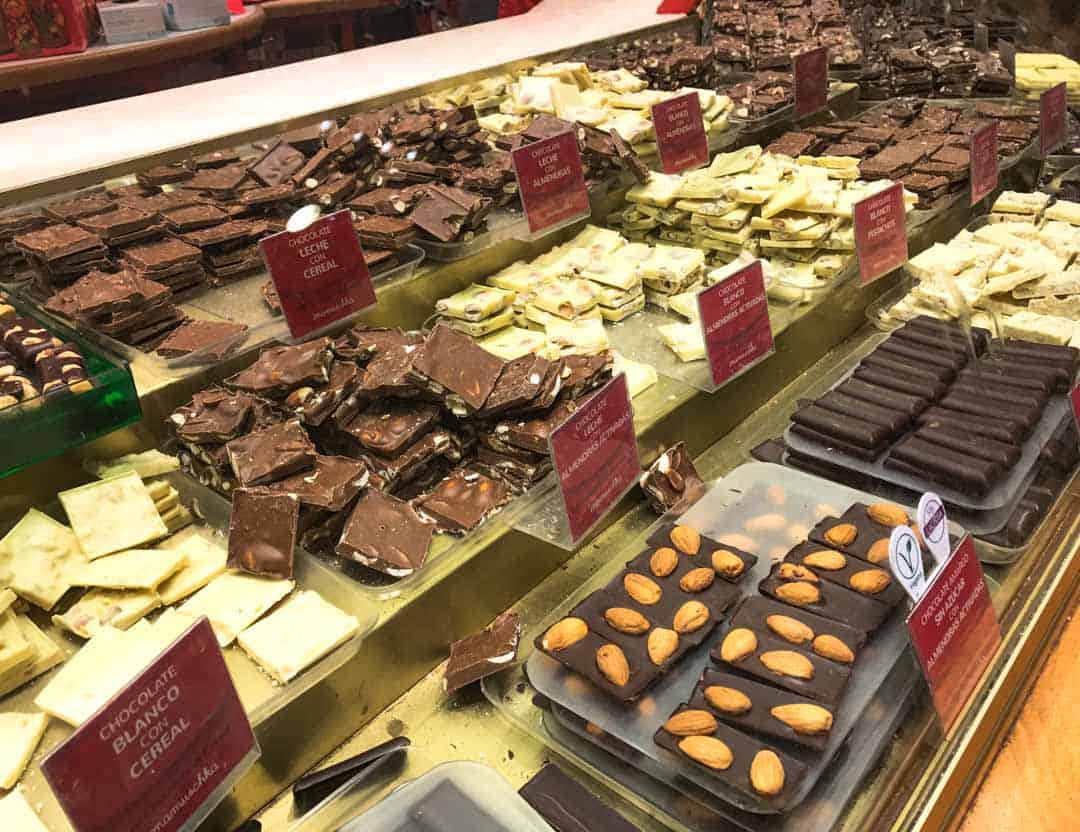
pixel 1005 494
pixel 729 509
pixel 238 301
pixel 46 426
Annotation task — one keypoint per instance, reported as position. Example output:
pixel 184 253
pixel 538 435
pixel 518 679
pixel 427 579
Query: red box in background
pixel 40 28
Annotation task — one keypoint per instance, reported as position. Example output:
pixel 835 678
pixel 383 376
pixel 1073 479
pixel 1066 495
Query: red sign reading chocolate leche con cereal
pixel 680 133
pixel 164 751
pixel 319 273
pixel 881 242
pixel 551 181
pixel 735 323
pixel 955 631
pixel 595 456
pixel 984 161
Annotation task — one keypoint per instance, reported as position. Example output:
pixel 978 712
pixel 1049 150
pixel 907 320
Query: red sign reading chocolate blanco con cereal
pixel 595 456
pixel 811 81
pixel 680 133
pixel 319 273
pixel 1052 118
pixel 551 181
pixel 955 631
pixel 163 752
pixel 735 323
pixel 984 161
pixel 881 242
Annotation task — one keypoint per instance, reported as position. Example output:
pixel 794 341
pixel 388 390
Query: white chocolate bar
pixel 234 601
pixel 14 649
pixel 100 608
pixel 639 376
pixel 475 303
pixel 19 737
pixel 40 554
pixel 133 569
pixel 152 463
pixel 514 342
pixel 45 657
pixel 16 814
pixel 112 515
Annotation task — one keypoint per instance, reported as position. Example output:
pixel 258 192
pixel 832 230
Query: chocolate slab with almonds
pixel 685 539
pixel 763 655
pixel 463 500
pixel 870 581
pixel 452 365
pixel 826 599
pixel 756 611
pixel 195 335
pixel 386 534
pixel 332 483
pixel 280 369
pixel 271 454
pixel 277 164
pixel 388 426
pixel 262 532
pixel 526 382
pixel 214 415
pixel 672 483
pixel 533 434
pixel 856 533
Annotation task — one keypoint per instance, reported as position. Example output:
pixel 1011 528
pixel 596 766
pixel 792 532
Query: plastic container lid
pixel 452 797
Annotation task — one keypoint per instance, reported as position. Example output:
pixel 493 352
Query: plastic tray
pixel 728 510
pixel 238 301
pixel 46 426
pixel 452 797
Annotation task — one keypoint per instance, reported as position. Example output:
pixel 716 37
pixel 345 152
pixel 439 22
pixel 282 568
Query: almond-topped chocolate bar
pixel 271 454
pixel 278 370
pixel 463 500
pixel 386 534
pixel 871 581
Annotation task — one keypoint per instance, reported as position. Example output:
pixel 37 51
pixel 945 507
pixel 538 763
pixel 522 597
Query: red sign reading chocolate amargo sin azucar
pixel 551 182
pixel 163 752
pixel 595 456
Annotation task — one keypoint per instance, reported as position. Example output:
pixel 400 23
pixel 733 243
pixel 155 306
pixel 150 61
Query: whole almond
pixel 826 559
pixel 727 563
pixel 888 514
pixel 795 572
pixel 691 724
pixel 697 580
pixel 870 581
pixel 643 590
pixel 789 629
pixel 788 663
pixel 709 751
pixel 804 718
pixel 798 593
pixel 626 620
pixel 728 700
pixel 663 561
pixel 564 634
pixel 612 664
pixel 662 645
pixel 833 648
pixel 879 551
pixel 767 773
pixel 738 644
pixel 842 534
pixel 690 617
pixel 686 539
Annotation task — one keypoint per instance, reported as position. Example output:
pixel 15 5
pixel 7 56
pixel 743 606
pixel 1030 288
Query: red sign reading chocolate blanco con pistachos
pixel 595 456
pixel 1052 118
pixel 955 631
pixel 319 273
pixel 984 161
pixel 551 181
pixel 680 133
pixel 881 233
pixel 735 323
pixel 164 752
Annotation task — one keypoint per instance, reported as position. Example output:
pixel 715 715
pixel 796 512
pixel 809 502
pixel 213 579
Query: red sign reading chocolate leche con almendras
pixel 551 182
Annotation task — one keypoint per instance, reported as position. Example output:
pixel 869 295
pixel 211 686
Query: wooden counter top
pixel 58 151
pixel 103 58
pixel 284 9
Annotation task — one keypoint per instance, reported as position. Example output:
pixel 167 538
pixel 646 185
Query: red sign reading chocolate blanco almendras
pixel 735 323
pixel 1052 118
pixel 680 133
pixel 595 456
pixel 551 181
pixel 954 631
pixel 984 161
pixel 163 752
pixel 319 273
pixel 881 233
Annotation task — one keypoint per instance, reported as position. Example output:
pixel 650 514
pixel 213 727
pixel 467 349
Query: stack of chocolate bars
pixel 386 436
pixel 13 260
pixel 35 363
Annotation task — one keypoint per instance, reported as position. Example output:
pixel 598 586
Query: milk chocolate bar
pixel 386 534
pixel 262 532
pixel 271 454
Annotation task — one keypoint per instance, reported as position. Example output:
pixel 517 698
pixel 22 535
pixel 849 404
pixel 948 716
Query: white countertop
pixel 107 138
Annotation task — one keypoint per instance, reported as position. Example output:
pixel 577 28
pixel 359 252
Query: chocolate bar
pixel 262 532
pixel 270 454
pixel 386 534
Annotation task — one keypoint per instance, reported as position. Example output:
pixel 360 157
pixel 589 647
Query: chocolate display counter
pixel 388 623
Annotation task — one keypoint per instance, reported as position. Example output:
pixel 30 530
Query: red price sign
pixel 1052 119
pixel 735 323
pixel 954 631
pixel 595 456
pixel 811 81
pixel 680 133
pixel 163 752
pixel 319 273
pixel 551 181
pixel 984 161
pixel 880 233
pixel 1074 397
